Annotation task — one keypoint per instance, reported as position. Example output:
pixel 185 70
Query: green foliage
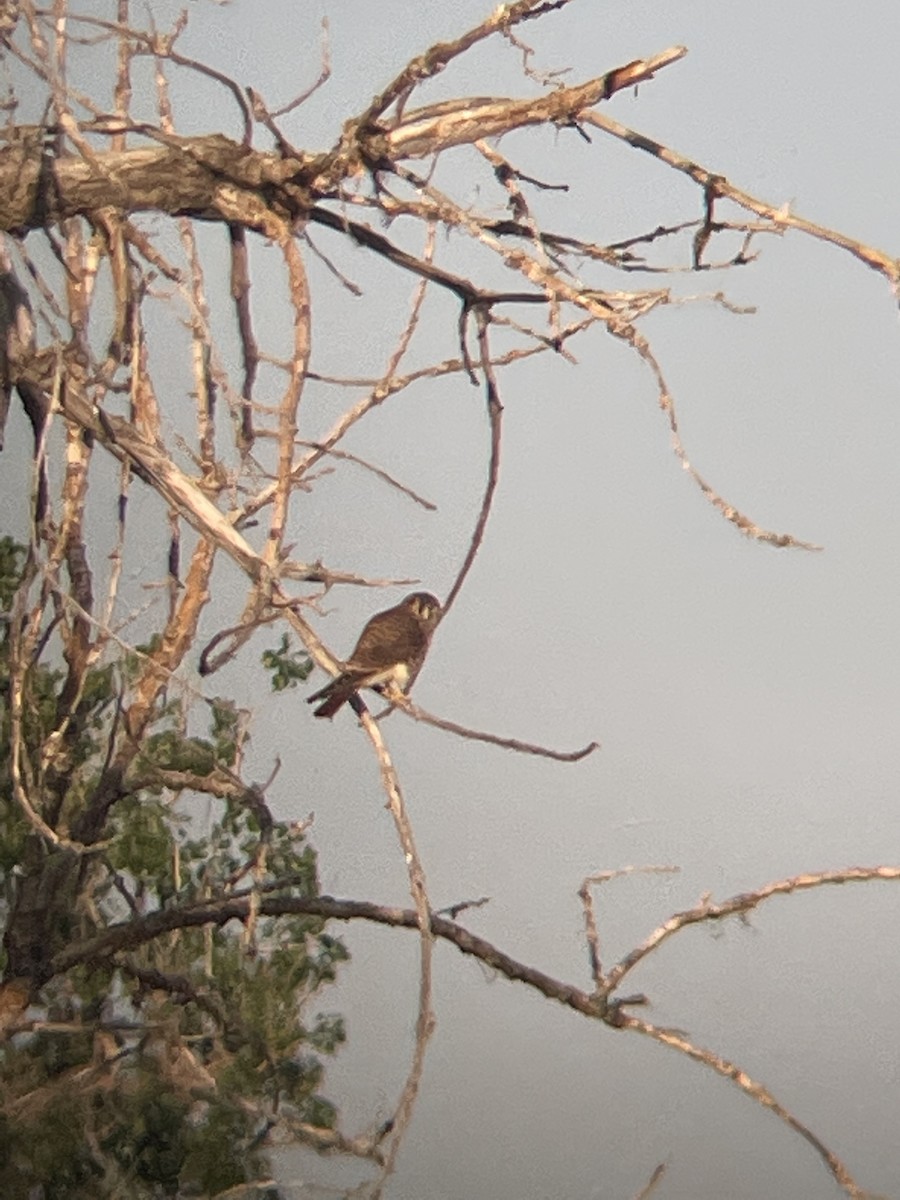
pixel 171 751
pixel 154 1147
pixel 162 1068
pixel 288 666
pixel 221 1158
pixel 137 1135
pixel 58 1158
pixel 225 729
pixel 143 849
pixel 12 558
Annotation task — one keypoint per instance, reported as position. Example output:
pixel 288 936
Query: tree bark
pixel 210 177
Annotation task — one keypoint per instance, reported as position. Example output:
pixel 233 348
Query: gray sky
pixel 746 698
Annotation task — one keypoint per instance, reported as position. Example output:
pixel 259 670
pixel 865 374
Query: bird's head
pixel 425 607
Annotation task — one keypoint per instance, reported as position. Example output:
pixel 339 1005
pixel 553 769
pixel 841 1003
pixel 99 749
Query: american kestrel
pixel 390 650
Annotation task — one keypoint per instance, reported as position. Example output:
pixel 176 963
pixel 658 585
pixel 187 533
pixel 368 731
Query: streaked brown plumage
pixel 390 650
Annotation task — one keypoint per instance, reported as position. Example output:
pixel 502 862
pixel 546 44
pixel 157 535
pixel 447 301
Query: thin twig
pixel 743 903
pixel 586 895
pixel 495 424
pixel 750 1087
pixel 479 735
pixel 780 217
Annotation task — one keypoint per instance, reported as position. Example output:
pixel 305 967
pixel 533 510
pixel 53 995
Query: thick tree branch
pixel 210 176
pixel 459 122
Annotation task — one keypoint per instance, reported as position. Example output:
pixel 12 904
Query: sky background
pixel 746 698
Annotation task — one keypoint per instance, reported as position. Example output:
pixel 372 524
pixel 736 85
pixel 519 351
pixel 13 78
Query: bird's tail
pixel 332 695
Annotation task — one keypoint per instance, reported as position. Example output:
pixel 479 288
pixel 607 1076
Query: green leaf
pixel 288 666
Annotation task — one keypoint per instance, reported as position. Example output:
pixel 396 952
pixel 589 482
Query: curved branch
pixel 493 739
pixel 751 1087
pixel 495 418
pixel 129 935
pixel 743 903
pixel 744 524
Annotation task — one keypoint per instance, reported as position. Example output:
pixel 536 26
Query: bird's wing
pixel 384 642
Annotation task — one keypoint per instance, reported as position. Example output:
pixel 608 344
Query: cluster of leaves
pixel 289 666
pixel 159 1070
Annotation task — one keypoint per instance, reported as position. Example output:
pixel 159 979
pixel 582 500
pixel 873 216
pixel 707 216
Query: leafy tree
pixel 160 1067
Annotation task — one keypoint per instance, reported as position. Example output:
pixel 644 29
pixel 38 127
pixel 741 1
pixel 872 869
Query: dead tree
pixel 100 209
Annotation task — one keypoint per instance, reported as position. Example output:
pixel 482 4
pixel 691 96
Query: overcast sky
pixel 746 698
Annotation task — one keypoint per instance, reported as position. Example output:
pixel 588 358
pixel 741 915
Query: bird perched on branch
pixel 390 650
